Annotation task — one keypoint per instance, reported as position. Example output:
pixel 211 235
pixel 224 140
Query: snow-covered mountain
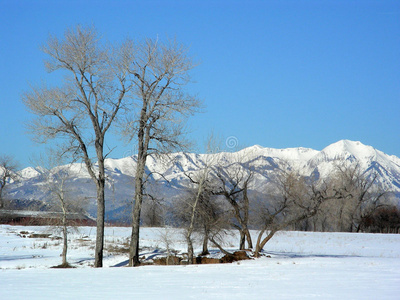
pixel 264 162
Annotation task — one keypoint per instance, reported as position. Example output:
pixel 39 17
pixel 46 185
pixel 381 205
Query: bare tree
pixel 197 210
pixel 82 110
pixel 8 169
pixel 214 220
pixel 364 197
pixel 160 71
pixel 166 237
pixel 234 187
pixel 203 213
pixel 194 202
pixel 215 223
pixel 59 196
pixel 296 199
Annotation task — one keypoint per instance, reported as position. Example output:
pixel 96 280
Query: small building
pixel 35 218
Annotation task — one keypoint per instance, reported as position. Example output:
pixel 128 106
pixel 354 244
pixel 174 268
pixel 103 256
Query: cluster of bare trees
pixel 217 201
pixel 137 85
pixel 220 199
pixel 360 199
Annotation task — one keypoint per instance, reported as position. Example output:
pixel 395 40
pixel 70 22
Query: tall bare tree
pixel 160 71
pixel 82 109
pixel 8 169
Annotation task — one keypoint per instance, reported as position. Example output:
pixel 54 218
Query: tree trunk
pixel 98 258
pixel 190 249
pixel 246 216
pixel 219 246
pixel 189 237
pixel 242 240
pixel 205 243
pixel 2 185
pixel 134 244
pixel 258 250
pixel 260 244
pixel 65 239
pixel 248 238
pixel 192 219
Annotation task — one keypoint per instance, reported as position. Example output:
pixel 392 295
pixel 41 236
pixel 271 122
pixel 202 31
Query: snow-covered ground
pixel 301 266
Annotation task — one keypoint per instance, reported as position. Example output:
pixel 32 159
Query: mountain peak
pixel 254 147
pixel 350 150
pixel 29 172
pixel 353 147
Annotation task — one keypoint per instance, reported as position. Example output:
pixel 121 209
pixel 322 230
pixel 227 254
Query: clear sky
pixel 275 73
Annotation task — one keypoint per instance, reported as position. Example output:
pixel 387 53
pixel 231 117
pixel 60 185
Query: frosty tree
pixel 160 72
pixel 84 106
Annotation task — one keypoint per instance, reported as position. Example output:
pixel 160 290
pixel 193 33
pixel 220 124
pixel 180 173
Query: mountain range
pixel 168 180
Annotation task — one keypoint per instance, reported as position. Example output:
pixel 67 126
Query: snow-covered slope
pixel 167 175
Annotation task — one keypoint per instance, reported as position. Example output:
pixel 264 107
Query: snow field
pixel 302 266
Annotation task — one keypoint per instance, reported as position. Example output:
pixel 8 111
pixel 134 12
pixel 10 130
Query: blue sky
pixel 275 73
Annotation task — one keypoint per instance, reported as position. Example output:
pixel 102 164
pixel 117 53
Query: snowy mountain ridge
pixel 263 161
